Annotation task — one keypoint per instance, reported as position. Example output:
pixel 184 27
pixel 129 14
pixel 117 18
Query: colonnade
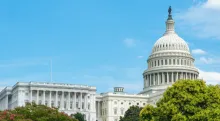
pixel 166 77
pixel 63 100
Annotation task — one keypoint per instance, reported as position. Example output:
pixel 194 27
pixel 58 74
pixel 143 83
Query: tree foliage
pixel 132 114
pixel 33 112
pixel 79 116
pixel 186 100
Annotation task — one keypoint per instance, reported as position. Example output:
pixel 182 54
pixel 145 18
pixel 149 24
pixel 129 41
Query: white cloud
pixel 213 4
pixel 202 19
pixel 140 56
pixel 198 51
pixel 208 60
pixel 210 77
pixel 129 42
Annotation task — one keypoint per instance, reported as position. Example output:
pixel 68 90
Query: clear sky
pixel 102 43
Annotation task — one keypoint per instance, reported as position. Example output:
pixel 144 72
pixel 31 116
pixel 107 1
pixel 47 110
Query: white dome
pixel 170 41
pixel 169 61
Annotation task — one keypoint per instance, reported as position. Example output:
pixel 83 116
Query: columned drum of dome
pixel 169 61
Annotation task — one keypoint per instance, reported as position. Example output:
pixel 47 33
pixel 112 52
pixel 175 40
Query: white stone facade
pixel 169 61
pixel 67 97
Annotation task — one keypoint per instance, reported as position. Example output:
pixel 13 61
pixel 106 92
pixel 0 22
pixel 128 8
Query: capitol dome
pixel 169 61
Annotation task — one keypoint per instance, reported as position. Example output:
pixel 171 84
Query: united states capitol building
pixel 169 61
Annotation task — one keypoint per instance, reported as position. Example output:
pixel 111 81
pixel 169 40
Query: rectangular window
pixel 122 111
pixel 82 105
pixel 115 111
pixel 71 105
pixel 88 106
pixel 77 104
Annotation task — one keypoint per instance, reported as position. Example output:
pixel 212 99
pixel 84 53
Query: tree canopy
pixel 132 114
pixel 33 112
pixel 79 116
pixel 186 100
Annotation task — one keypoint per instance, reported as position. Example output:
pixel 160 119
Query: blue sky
pixel 102 43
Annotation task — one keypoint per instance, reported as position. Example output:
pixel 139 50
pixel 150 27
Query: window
pixel 174 62
pixel 155 63
pixel 129 103
pixel 166 62
pixel 115 111
pixel 122 103
pixel 82 105
pixel 169 61
pixel 122 111
pixel 158 63
pixel 88 106
pixel 161 62
pixel 137 103
pixel 77 104
pixel 143 103
pixel 71 105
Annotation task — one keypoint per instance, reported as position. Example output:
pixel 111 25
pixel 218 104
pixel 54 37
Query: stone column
pixel 62 101
pixel 30 96
pixel 50 99
pixel 172 78
pixel 86 101
pixel 68 104
pixel 56 102
pixel 177 76
pixel 167 77
pixel 146 82
pixel 158 78
pixel 43 97
pixel 80 101
pixel 74 102
pixel 37 100
pixel 182 75
pixel 150 80
pixel 154 79
pixel 98 110
pixel 163 78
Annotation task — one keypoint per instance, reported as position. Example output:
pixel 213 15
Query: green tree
pixel 79 116
pixel 186 100
pixel 33 112
pixel 132 114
